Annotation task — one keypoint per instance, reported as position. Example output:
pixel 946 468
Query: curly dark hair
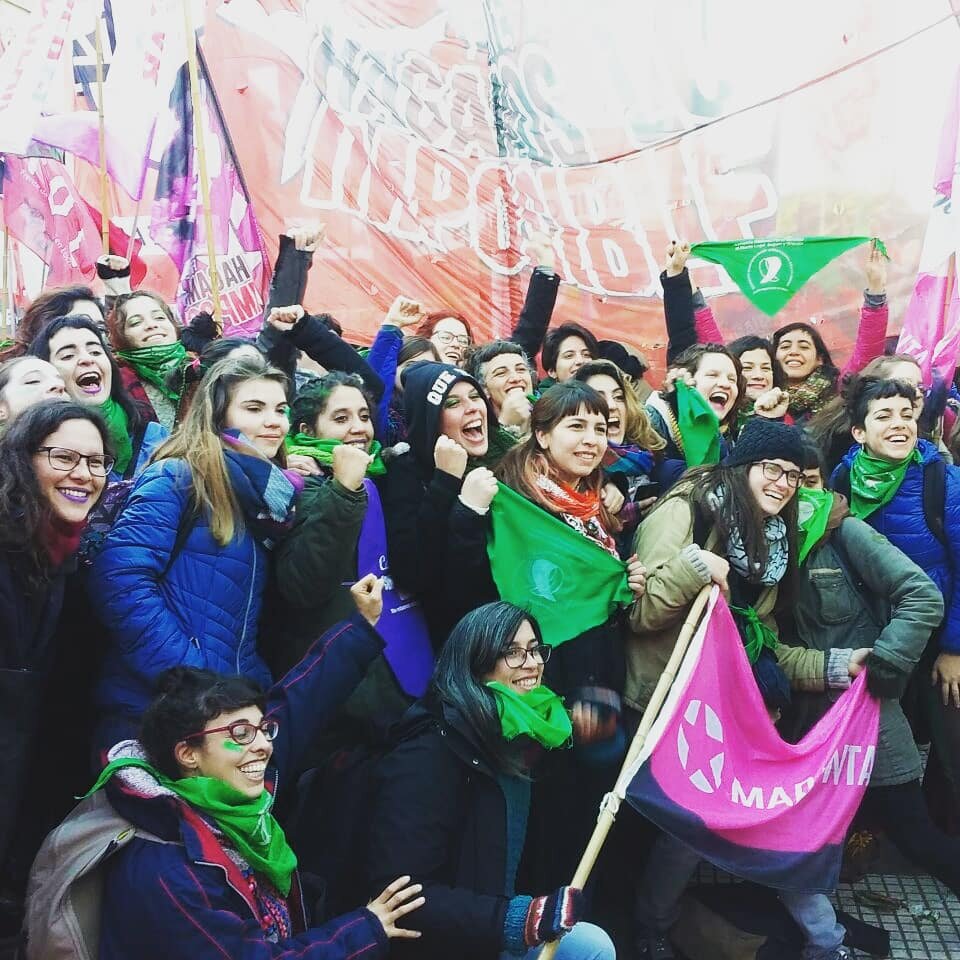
pixel 24 513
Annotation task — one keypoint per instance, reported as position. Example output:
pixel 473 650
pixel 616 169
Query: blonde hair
pixel 197 441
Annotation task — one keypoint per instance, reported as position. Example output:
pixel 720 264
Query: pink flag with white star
pixel 715 773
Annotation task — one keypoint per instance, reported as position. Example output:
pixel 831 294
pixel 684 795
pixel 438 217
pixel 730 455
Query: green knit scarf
pixel 246 821
pixel 118 426
pixel 155 364
pixel 322 451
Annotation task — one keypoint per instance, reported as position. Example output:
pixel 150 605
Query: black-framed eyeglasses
pixel 517 656
pixel 445 337
pixel 64 459
pixel 243 731
pixel 773 471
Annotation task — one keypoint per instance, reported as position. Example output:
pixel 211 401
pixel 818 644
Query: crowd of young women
pixel 216 565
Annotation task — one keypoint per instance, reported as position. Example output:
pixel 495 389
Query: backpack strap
pixel 187 520
pixel 934 498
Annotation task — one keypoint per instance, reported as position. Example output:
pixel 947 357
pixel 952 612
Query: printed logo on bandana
pixel 770 270
pixel 546 579
pixel 693 719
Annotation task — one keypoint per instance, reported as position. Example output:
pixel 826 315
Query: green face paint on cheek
pixel 232 746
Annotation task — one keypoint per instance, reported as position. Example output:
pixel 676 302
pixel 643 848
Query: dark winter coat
pixel 440 816
pixel 185 896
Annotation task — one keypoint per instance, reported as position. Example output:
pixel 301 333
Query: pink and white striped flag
pixel 931 324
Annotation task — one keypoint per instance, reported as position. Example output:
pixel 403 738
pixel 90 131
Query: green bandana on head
pixel 118 426
pixel 322 451
pixel 769 272
pixel 813 512
pixel 699 426
pixel 538 714
pixel 246 821
pixel 154 364
pixel 874 482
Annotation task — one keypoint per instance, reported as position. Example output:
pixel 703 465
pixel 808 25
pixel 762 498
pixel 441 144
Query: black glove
pixel 106 272
pixel 884 681
pixel 199 332
pixel 550 917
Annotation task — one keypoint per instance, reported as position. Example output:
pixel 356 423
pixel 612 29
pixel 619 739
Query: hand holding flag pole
pixel 610 805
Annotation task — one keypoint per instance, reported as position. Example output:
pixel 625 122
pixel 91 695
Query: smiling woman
pixel 55 459
pixel 205 510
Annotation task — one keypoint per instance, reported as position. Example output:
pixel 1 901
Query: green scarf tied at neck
pixel 758 634
pixel 154 364
pixel 246 821
pixel 538 713
pixel 322 451
pixel 813 512
pixel 699 426
pixel 118 426
pixel 875 482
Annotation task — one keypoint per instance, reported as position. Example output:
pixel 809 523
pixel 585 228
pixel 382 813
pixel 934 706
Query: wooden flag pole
pixel 610 805
pixel 202 164
pixel 102 140
pixel 5 326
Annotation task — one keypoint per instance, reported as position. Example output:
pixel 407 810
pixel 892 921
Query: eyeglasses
pixel 773 471
pixel 517 656
pixel 460 339
pixel 64 460
pixel 242 731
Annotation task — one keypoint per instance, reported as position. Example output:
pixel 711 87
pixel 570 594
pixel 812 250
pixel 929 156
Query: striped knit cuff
pixel 874 299
pixel 838 668
pixel 513 923
pixel 698 301
pixel 691 553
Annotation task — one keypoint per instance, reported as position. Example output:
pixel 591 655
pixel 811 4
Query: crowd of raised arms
pixel 246 596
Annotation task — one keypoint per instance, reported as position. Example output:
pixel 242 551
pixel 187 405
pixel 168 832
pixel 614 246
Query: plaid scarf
pixel 265 492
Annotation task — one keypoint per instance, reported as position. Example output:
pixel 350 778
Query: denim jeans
pixel 669 869
pixel 584 942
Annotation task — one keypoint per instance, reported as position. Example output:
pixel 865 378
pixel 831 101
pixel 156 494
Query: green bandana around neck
pixel 155 363
pixel 813 512
pixel 699 426
pixel 322 451
pixel 118 426
pixel 246 821
pixel 538 713
pixel 875 482
pixel 757 634
pixel 770 271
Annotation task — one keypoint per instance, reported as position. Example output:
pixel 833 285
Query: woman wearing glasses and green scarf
pixel 452 802
pixel 216 877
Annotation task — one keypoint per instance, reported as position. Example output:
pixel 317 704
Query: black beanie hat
pixel 763 439
pixel 618 354
pixel 426 384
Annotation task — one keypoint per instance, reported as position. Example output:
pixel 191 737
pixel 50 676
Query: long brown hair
pixel 197 441
pixel 523 464
pixel 117 317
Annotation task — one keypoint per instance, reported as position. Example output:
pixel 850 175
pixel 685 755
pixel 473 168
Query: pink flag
pixel 715 773
pixel 931 324
pixel 27 69
pixel 43 210
pixel 132 96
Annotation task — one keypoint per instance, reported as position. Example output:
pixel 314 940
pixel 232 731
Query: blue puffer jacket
pixel 202 612
pixel 902 522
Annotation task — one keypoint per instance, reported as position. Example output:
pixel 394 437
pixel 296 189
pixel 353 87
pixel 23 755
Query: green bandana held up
pixel 769 272
pixel 154 364
pixel 322 451
pixel 538 714
pixel 246 821
pixel 813 512
pixel 119 429
pixel 699 426
pixel 757 634
pixel 874 482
